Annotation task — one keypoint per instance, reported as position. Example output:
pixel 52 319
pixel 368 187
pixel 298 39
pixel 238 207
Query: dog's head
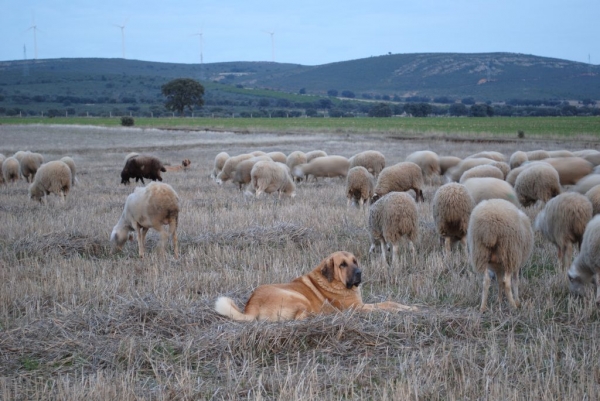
pixel 186 162
pixel 343 267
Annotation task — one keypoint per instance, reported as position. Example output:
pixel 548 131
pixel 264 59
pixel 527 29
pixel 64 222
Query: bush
pixel 127 121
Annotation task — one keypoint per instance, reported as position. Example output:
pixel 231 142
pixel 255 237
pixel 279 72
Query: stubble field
pixel 78 321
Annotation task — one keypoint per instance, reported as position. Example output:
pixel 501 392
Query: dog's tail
pixel 227 307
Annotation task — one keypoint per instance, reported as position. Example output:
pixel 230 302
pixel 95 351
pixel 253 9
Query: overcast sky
pixel 309 32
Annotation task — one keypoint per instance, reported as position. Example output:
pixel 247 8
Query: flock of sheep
pixel 478 203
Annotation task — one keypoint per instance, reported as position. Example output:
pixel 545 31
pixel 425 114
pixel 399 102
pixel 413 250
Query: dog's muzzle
pixel 356 279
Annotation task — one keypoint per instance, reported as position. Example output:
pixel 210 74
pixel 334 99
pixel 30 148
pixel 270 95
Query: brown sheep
pixel 141 167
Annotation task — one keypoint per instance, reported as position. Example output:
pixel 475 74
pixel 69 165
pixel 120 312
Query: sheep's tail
pixel 227 307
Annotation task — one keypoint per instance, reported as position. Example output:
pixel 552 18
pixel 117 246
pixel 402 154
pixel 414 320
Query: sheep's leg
pixel 500 281
pixel 508 289
pixel 448 244
pixel 141 237
pixel 164 238
pixel 567 256
pixel 361 203
pixel 395 254
pixel 486 291
pixel 515 287
pixel 383 252
pixel 173 234
pixel 348 204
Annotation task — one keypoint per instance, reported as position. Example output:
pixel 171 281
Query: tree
pixel 458 109
pixel 182 93
pixel 380 110
pixel 332 92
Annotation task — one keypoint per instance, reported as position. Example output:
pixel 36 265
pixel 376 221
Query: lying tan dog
pixel 183 166
pixel 330 287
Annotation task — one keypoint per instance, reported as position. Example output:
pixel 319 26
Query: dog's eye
pixel 570 278
pixel 344 264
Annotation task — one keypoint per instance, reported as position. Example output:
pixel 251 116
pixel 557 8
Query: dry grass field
pixel 78 321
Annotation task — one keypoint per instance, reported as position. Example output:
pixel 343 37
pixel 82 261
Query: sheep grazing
pixel 400 177
pixel 326 166
pixel 71 163
pixel 500 241
pixel 241 175
pixel 560 153
pixel 392 217
pixel 258 153
pixel 152 206
pixel 512 176
pixel 313 154
pixel 220 160
pixel 594 196
pixel 29 164
pixel 586 183
pixel 484 188
pixel 270 177
pixel 538 182
pixel 585 152
pixel 517 159
pixel 359 186
pixel 447 162
pixel 11 170
pixel 586 267
pixel 229 167
pixel 537 155
pixel 484 170
pixel 563 222
pixel 570 169
pixel 277 157
pixel 497 156
pixel 52 177
pixel 20 154
pixel 295 159
pixel 454 174
pixel 452 206
pixel 185 164
pixel 372 160
pixel 504 167
pixel 428 161
pixel 141 167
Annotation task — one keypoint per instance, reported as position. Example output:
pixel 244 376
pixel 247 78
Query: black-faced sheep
pixel 220 160
pixel 570 169
pixel 454 174
pixel 11 171
pixel 141 167
pixel 372 160
pixel 313 154
pixel 270 177
pixel 400 177
pixel 538 182
pixel 483 188
pixel 594 196
pixel 152 206
pixel 447 162
pixel 326 166
pixel 517 158
pixel 241 175
pixel 71 163
pixel 229 167
pixel 392 217
pixel 29 164
pixel 586 267
pixel 484 170
pixel 429 162
pixel 563 222
pixel 497 156
pixel 452 206
pixel 359 186
pixel 586 183
pixel 500 241
pixel 52 177
pixel 277 157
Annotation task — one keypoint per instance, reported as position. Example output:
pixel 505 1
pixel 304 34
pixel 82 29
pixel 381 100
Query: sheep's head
pixel 577 280
pixel 35 193
pixel 298 173
pixel 125 177
pixel 119 236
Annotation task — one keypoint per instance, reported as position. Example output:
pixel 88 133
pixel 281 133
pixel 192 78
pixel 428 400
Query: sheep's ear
pixel 328 269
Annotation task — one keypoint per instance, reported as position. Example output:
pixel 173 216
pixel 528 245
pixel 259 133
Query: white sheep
pixel 71 163
pixel 512 176
pixel 593 158
pixel 11 171
pixel 483 188
pixel 497 156
pixel 537 155
pixel 270 177
pixel 570 169
pixel 560 153
pixel 452 207
pixel 502 166
pixel 241 175
pixel 586 183
pixel 400 177
pixel 454 173
pixel 258 153
pixel 484 170
pixel 152 206
pixel 563 222
pixel 372 160
pixel 277 157
pixel 359 186
pixel 391 218
pixel 447 162
pixel 294 159
pixel 594 196
pixel 220 160
pixel 538 182
pixel 517 158
pixel 326 166
pixel 29 164
pixel 229 167
pixel 500 240
pixel 429 162
pixel 313 154
pixel 585 152
pixel 52 177
pixel 586 267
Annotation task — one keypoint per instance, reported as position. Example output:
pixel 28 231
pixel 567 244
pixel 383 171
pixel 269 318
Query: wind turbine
pixel 122 37
pixel 33 27
pixel 272 44
pixel 201 47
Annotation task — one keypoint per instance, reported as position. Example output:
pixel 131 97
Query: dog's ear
pixel 328 269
